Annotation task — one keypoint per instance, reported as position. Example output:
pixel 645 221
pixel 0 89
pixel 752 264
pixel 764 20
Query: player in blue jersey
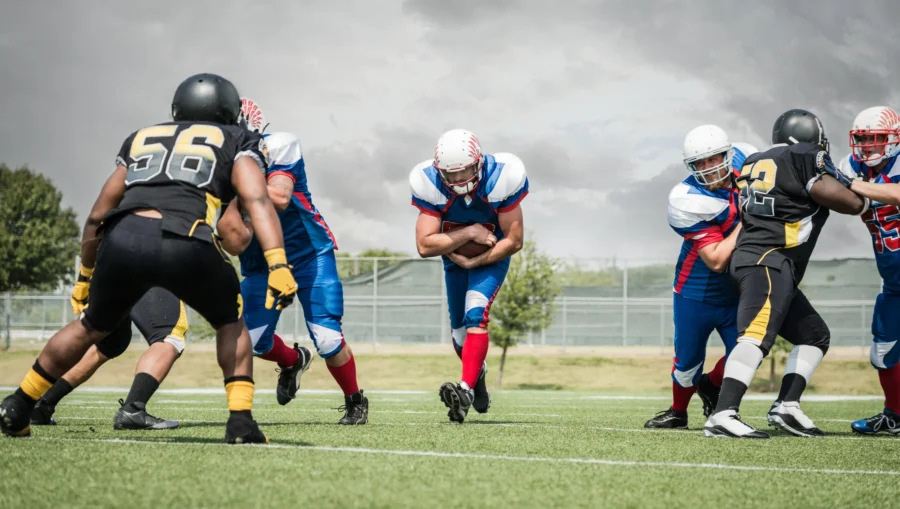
pixel 704 209
pixel 310 248
pixel 875 144
pixel 470 215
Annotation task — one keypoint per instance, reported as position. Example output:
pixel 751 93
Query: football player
pixel 465 198
pixel 156 210
pixel 162 320
pixel 705 210
pixel 787 192
pixel 874 145
pixel 310 249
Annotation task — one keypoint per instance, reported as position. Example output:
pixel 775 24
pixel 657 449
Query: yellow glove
pixel 80 292
pixel 282 286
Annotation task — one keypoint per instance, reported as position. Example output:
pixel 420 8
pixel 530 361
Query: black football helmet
pixel 208 98
pixel 799 126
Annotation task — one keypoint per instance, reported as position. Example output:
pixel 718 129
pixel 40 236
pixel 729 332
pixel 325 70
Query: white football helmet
pixel 252 117
pixel 458 151
pixel 875 135
pixel 703 142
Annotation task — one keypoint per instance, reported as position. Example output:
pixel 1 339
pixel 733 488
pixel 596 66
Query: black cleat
pixel 134 416
pixel 15 416
pixel 458 400
pixel 709 395
pixel 668 419
pixel 289 378
pixel 242 429
pixel 356 409
pixel 42 415
pixel 482 401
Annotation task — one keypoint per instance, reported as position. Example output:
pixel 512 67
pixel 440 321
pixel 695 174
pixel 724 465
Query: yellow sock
pixel 34 385
pixel 240 395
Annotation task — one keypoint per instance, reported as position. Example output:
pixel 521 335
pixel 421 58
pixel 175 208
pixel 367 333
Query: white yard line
pixel 500 457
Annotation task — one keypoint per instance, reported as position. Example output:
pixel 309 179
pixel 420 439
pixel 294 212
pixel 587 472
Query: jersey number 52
pixel 755 182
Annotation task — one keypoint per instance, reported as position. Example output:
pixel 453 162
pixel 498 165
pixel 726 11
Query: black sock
pixel 731 394
pixel 142 389
pixel 60 390
pixel 792 387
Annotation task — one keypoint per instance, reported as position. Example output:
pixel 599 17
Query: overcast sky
pixel 595 97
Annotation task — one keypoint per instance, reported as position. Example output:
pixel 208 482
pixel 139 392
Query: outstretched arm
pixel 829 193
pixel 884 193
pixel 250 186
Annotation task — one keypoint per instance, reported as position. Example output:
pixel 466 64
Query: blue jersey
pixel 883 222
pixel 704 217
pixel 502 185
pixel 306 235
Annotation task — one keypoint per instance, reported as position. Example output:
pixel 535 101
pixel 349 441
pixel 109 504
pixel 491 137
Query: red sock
pixel 681 396
pixel 717 373
pixel 473 355
pixel 345 376
pixel 280 353
pixel 890 384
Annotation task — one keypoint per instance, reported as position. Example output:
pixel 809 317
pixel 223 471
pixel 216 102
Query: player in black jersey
pixel 157 211
pixel 786 194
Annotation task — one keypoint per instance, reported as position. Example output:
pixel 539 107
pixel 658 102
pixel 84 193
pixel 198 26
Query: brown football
pixel 470 249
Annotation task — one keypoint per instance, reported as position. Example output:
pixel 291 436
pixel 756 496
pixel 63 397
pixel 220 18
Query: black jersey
pixel 183 170
pixel 780 219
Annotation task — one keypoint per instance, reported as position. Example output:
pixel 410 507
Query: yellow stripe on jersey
pixel 792 233
pixel 757 328
pixel 181 326
pixel 213 205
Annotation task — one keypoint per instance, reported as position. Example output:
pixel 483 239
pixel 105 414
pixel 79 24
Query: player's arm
pixel 110 196
pixel 251 189
pixel 281 189
pixel 837 196
pixel 885 193
pixel 512 225
pixel 233 230
pixel 430 241
pixel 716 255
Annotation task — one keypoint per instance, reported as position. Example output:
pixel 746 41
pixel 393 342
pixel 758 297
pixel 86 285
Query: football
pixel 470 249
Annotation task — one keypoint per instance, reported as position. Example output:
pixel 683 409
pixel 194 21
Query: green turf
pixel 534 449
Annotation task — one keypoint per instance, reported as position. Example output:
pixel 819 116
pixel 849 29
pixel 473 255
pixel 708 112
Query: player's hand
pixel 282 285
pixel 827 167
pixel 481 235
pixel 460 260
pixel 82 288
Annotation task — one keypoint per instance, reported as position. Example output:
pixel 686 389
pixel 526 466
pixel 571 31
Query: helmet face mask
pixel 708 154
pixel 875 135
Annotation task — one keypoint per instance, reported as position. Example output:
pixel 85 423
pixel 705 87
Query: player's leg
pixel 267 345
pixel 765 294
pixel 162 320
pixel 97 355
pixel 124 260
pixel 200 275
pixel 483 285
pixel 885 357
pixel 323 308
pixel 806 330
pixel 694 322
pixel 711 383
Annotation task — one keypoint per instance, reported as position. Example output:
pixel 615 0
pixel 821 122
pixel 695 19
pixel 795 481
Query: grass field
pixel 534 449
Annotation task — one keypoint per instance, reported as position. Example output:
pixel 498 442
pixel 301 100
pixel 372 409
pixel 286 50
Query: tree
pixel 38 238
pixel 778 353
pixel 525 301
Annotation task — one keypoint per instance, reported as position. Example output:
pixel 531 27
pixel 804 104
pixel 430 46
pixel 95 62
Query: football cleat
pixel 728 424
pixel 668 419
pixel 885 422
pixel 289 378
pixel 482 401
pixel 42 415
pixel 15 416
pixel 134 416
pixel 458 399
pixel 788 416
pixel 709 395
pixel 356 409
pixel 242 429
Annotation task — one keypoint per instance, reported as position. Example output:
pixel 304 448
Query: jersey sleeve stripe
pixel 514 204
pixel 426 210
pixel 121 161
pixel 252 154
pixel 281 172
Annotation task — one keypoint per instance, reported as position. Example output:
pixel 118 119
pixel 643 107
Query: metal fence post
pixel 374 302
pixel 297 310
pixel 565 323
pixel 624 302
pixel 662 326
pixel 8 321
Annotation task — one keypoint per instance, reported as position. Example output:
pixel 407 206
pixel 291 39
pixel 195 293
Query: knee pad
pixel 884 354
pixel 477 310
pixel 117 341
pixel 459 337
pixel 262 340
pixel 686 376
pixel 328 341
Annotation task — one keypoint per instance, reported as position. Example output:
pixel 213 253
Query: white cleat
pixel 788 416
pixel 728 424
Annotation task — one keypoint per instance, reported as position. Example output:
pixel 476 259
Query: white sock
pixel 743 362
pixel 804 360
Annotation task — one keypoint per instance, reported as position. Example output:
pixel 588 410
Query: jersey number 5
pixel 189 161
pixel 755 182
pixel 883 223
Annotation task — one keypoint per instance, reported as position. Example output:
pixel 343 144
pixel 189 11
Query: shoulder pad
pixel 423 186
pixel 284 149
pixel 511 178
pixel 741 152
pixel 688 207
pixel 849 167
